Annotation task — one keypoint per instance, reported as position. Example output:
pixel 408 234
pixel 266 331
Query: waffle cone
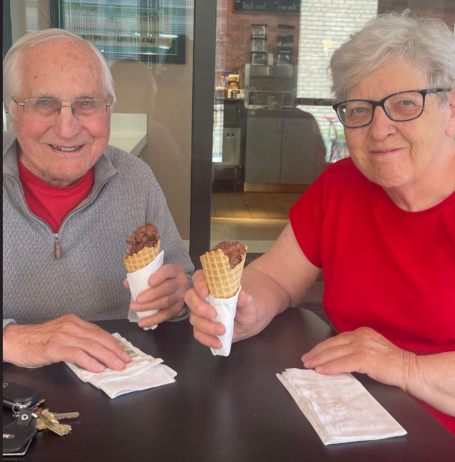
pixel 223 282
pixel 142 258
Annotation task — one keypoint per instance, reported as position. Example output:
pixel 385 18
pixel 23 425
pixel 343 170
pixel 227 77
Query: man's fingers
pixel 171 283
pixel 161 316
pixel 70 349
pixel 161 303
pixel 88 337
pixel 95 335
pixel 168 289
pixel 80 358
pixel 165 272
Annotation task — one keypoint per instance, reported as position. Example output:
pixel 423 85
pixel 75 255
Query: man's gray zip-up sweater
pixel 87 279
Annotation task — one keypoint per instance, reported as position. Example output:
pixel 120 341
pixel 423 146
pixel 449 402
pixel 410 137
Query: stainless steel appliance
pixel 270 83
pixel 228 172
pixel 231 146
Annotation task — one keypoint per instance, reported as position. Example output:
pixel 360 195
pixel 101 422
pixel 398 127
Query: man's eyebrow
pixel 45 96
pixel 88 97
pixel 48 96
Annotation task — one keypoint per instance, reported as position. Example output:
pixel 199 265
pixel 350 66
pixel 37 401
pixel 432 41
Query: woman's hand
pixel 202 314
pixel 363 350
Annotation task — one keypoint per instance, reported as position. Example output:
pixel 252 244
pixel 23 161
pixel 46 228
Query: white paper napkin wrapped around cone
pixel 339 407
pixel 138 282
pixel 225 313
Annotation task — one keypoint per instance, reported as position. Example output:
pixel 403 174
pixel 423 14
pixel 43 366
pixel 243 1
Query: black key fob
pixel 17 437
pixel 16 393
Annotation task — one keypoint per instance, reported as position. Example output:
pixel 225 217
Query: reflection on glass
pixel 266 150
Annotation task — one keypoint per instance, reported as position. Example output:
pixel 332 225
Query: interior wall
pixel 36 17
pixel 164 93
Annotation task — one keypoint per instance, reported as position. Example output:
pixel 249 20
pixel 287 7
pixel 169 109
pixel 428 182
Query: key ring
pixel 16 407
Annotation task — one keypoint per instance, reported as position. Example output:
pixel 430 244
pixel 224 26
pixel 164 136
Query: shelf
pixel 269 91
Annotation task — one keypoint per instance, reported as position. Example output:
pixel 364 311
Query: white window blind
pixel 324 26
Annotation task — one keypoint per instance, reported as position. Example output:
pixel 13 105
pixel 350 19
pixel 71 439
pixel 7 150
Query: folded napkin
pixel 139 281
pixel 338 407
pixel 225 314
pixel 144 371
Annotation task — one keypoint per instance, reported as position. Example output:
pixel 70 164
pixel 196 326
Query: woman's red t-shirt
pixel 384 268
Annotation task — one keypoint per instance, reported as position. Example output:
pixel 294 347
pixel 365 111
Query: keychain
pixel 18 435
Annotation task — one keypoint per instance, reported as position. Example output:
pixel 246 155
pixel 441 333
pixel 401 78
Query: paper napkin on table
pixel 338 407
pixel 142 372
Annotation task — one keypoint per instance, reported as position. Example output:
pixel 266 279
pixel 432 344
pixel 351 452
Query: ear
pixel 9 110
pixel 450 129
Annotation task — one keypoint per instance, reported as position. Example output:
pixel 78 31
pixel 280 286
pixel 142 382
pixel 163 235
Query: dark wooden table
pixel 220 409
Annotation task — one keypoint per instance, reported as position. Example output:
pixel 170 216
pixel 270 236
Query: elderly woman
pixel 380 225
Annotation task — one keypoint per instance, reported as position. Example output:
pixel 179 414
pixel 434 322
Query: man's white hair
pixel 12 78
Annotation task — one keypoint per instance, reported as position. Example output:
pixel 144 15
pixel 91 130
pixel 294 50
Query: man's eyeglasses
pixel 399 107
pixel 81 108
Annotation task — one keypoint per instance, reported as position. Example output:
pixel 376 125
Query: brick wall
pixel 233 35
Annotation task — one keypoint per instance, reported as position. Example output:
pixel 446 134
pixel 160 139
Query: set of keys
pixel 51 420
pixel 28 418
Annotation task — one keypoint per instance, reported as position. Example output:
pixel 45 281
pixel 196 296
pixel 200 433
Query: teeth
pixel 59 148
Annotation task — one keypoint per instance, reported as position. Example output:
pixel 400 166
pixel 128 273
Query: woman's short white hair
pixel 12 78
pixel 426 43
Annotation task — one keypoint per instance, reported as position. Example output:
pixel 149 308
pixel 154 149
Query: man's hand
pixel 202 314
pixel 67 338
pixel 363 350
pixel 167 288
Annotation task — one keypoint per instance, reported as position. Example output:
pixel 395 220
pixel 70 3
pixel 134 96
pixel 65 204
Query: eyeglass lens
pixel 401 107
pixel 46 107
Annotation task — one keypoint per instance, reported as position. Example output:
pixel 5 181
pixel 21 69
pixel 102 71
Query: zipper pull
pixel 57 248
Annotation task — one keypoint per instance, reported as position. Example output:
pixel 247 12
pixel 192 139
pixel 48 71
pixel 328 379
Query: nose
pixel 67 126
pixel 381 126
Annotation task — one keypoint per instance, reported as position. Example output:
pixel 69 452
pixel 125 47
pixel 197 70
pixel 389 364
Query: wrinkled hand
pixel 202 314
pixel 67 338
pixel 167 288
pixel 363 350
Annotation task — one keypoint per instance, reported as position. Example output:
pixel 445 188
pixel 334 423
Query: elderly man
pixel 69 201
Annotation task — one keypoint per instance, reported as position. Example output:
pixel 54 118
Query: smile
pixel 62 149
pixel 385 151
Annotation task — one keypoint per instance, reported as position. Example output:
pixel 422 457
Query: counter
pixel 254 110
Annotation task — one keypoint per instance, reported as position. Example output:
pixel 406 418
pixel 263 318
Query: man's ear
pixel 9 110
pixel 450 129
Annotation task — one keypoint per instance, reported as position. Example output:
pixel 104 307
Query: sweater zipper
pixel 57 247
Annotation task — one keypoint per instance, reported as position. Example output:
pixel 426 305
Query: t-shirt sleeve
pixel 306 217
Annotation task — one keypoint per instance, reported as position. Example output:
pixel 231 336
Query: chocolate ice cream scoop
pixel 144 236
pixel 233 250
